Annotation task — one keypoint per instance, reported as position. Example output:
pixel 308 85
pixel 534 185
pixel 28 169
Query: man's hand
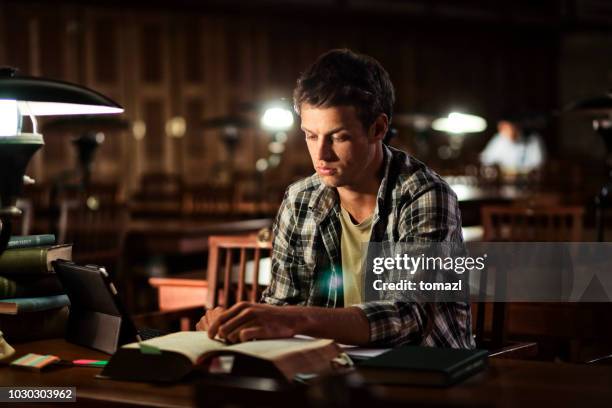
pixel 247 321
pixel 208 318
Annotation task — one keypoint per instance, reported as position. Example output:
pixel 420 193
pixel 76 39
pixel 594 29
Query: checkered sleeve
pixel 287 261
pixel 430 216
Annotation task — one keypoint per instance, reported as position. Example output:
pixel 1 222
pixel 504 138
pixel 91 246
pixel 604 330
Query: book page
pixel 189 343
pixel 272 349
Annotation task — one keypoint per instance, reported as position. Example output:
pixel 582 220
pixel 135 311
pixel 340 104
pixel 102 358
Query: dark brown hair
pixel 343 78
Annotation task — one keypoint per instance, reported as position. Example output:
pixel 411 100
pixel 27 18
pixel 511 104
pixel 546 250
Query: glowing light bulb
pixel 9 118
pixel 277 119
pixel 459 123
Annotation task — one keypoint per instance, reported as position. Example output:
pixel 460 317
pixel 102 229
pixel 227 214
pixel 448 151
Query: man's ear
pixel 379 128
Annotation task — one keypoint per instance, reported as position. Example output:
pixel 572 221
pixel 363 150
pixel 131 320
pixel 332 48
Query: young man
pixel 362 191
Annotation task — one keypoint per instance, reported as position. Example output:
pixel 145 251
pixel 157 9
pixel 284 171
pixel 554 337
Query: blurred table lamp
pixel 457 125
pixel 600 108
pixel 92 130
pixel 30 96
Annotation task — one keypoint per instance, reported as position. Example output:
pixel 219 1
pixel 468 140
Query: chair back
pixel 235 265
pixel 543 224
pixel 519 224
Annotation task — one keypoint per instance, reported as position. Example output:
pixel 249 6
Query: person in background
pixel 514 149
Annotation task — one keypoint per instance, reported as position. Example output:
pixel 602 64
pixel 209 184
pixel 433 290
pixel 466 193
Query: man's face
pixel 340 147
pixel 508 130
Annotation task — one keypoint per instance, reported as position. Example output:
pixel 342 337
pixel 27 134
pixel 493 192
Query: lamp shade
pixel 597 105
pixel 43 97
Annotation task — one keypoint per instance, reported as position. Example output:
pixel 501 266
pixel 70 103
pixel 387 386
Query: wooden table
pixel 506 383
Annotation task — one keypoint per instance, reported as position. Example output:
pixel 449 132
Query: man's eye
pixel 310 136
pixel 339 138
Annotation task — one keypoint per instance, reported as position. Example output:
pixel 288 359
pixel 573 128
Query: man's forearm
pixel 345 325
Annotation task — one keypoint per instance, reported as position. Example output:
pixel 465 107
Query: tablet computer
pixel 98 318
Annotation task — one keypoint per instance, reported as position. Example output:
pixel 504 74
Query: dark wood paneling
pixel 52 45
pixel 196 140
pixel 151 53
pixel 105 52
pixel 16 38
pixel 193 58
pixel 153 114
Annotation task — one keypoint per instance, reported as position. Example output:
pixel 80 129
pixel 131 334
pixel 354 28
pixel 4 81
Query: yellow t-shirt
pixel 351 245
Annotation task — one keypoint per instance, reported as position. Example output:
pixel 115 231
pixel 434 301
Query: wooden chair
pixel 225 252
pixel 518 224
pixel 544 224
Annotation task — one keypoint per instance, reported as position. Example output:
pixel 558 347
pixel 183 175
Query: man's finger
pixel 226 315
pixel 200 324
pixel 252 333
pixel 244 317
pixel 234 335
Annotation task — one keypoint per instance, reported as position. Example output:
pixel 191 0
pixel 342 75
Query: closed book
pixel 32 304
pixel 413 365
pixel 33 260
pixel 172 357
pixel 29 286
pixel 27 241
pixel 43 324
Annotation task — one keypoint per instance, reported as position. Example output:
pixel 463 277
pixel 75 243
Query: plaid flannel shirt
pixel 413 205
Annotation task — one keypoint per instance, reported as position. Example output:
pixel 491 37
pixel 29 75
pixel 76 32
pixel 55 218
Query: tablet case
pixel 97 316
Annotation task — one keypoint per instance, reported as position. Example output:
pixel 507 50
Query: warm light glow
pixel 176 127
pixel 9 117
pixel 459 123
pixel 54 108
pixel 277 119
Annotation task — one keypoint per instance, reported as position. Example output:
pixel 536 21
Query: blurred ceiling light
pixel 459 123
pixel 276 147
pixel 277 118
pixel 139 129
pixel 280 137
pixel 261 165
pixel 176 127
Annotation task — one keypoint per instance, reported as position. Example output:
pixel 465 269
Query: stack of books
pixel 33 304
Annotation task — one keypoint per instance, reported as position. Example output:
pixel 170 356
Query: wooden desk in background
pixel 506 383
pixel 161 238
pixel 182 237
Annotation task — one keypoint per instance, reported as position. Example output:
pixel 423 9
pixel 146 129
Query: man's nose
pixel 324 150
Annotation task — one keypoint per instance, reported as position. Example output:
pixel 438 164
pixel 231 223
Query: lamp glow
pixel 277 119
pixel 58 108
pixel 9 118
pixel 459 123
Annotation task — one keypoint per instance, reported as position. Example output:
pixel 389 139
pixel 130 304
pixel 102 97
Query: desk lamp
pixel 600 108
pixel 20 97
pixel 457 125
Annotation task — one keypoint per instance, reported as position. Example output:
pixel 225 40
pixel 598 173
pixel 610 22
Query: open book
pixel 172 357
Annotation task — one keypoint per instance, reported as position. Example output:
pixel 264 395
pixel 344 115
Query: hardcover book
pixel 27 241
pixel 29 286
pixel 423 366
pixel 172 357
pixel 44 324
pixel 32 304
pixel 34 260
